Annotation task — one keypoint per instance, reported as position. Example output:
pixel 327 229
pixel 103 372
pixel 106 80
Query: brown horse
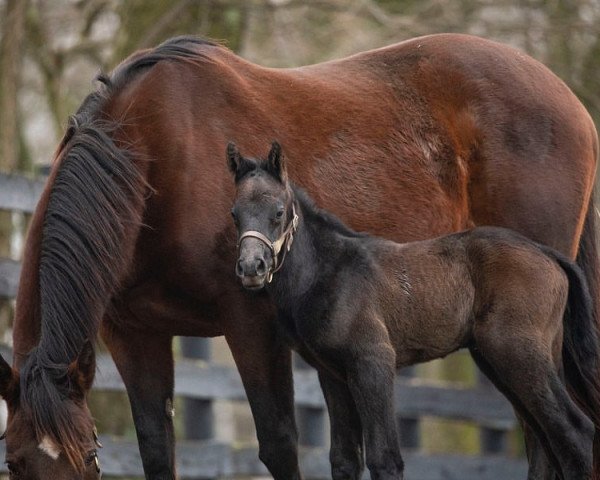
pixel 130 236
pixel 358 307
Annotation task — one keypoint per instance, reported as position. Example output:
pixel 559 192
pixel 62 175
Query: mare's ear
pixel 8 379
pixel 276 163
pixel 233 157
pixel 83 370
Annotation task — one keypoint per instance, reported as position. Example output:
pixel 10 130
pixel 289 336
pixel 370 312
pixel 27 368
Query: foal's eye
pixel 12 470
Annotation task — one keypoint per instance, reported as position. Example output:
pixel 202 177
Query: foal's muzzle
pixel 252 267
pixel 252 273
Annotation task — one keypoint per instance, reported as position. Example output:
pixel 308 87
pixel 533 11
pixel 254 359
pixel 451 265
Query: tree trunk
pixel 11 47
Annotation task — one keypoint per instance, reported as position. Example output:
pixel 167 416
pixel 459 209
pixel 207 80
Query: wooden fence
pixel 201 383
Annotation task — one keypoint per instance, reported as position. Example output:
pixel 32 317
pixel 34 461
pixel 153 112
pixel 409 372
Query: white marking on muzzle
pixel 49 448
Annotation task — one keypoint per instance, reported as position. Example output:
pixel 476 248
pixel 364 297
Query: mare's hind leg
pixel 523 362
pixel 145 362
pixel 370 377
pixel 346 454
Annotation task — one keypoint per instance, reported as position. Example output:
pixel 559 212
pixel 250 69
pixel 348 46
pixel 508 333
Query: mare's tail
pixel 587 259
pixel 581 343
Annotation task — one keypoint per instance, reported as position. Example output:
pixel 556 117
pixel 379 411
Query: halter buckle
pixel 96 439
pixel 97 462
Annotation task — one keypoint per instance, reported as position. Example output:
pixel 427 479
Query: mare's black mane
pixel 177 48
pixel 97 194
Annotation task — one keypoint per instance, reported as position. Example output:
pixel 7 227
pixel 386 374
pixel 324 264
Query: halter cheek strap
pixel 96 460
pixel 284 242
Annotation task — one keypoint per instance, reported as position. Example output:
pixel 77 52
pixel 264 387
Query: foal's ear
pixel 233 157
pixel 9 380
pixel 83 370
pixel 276 163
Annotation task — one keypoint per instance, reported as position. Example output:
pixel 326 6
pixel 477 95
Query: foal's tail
pixel 581 348
pixel 588 260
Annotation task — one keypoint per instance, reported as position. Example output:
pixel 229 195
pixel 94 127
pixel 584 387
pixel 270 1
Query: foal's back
pixel 435 296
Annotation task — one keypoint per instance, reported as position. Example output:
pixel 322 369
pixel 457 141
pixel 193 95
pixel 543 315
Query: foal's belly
pixel 429 338
pixel 419 352
pixel 428 306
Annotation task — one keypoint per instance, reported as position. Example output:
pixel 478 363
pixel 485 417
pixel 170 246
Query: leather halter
pixel 95 452
pixel 284 242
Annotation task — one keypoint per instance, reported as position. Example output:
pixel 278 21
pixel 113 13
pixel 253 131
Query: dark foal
pixel 358 307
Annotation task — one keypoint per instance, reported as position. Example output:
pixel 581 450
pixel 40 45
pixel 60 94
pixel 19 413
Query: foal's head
pixel 263 213
pixel 58 441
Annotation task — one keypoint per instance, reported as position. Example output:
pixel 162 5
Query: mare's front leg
pixel 265 366
pixel 346 454
pixel 145 362
pixel 370 377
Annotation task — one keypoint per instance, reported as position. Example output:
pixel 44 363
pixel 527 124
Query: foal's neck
pixel 311 253
pixel 299 271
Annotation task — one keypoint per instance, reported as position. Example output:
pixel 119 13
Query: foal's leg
pixel 523 362
pixel 539 466
pixel 568 431
pixel 346 454
pixel 145 362
pixel 371 382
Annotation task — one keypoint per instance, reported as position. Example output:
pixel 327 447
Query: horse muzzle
pixel 252 271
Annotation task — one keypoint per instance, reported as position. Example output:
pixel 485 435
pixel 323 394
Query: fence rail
pixel 200 383
pixel 197 460
pixel 19 193
pixel 414 397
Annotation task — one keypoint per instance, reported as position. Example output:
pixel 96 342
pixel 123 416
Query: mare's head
pixel 60 452
pixel 263 213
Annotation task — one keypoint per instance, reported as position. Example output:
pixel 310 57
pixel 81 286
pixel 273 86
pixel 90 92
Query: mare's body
pixel 359 307
pixel 435 134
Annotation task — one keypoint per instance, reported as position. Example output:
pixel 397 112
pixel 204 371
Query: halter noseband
pixel 284 242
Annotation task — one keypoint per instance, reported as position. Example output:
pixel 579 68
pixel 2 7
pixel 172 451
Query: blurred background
pixel 51 50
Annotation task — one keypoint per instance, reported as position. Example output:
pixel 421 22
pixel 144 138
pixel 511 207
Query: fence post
pixel 198 414
pixel 311 421
pixel 491 439
pixel 409 428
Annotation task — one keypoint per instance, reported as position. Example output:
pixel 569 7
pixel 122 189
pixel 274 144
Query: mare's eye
pixel 92 459
pixel 233 215
pixel 279 214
